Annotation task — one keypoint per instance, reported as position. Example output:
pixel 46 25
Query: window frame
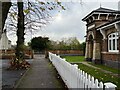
pixel 111 38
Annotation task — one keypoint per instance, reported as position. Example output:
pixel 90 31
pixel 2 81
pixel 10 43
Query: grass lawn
pixel 98 74
pixel 116 71
pixel 74 58
pixel 81 58
pixel 101 76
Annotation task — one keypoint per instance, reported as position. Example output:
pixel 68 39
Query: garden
pixel 101 72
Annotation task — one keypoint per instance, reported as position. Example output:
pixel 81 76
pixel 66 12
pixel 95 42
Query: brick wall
pixel 111 59
pixel 10 53
pixel 78 52
pixel 110 56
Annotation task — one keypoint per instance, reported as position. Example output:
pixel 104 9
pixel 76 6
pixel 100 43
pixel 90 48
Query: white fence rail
pixel 76 78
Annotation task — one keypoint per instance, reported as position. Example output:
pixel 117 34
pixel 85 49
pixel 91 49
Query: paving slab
pixel 41 75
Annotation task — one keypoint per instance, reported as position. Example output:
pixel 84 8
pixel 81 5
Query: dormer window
pixel 113 42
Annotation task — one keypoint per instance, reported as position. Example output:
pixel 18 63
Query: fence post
pixel 101 86
pixel 109 86
pixel 76 78
pixel 89 82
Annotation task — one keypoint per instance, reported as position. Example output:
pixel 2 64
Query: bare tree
pixel 29 16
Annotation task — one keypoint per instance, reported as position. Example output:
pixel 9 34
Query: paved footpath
pixel 41 75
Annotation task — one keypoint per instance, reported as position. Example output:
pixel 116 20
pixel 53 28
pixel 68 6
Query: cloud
pixel 69 23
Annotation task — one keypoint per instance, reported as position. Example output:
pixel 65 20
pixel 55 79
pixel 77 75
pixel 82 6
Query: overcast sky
pixel 69 23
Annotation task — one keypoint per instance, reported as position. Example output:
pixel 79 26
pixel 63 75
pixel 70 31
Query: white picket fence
pixel 76 78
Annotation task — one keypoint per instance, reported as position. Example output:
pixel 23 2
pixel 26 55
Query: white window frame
pixel 116 43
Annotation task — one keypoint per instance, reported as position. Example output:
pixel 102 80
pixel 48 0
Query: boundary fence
pixel 73 77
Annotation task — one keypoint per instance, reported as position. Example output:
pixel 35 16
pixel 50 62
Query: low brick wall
pixel 9 54
pixel 69 52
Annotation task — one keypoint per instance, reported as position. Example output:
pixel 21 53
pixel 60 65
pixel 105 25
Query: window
pixel 113 42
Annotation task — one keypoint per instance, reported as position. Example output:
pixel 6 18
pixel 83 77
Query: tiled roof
pixel 106 10
pixel 102 10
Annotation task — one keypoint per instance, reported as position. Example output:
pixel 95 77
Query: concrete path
pixel 41 75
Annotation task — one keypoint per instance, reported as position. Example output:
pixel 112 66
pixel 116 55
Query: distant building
pixel 102 39
pixel 4 42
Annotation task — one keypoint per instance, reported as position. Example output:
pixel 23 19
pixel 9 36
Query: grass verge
pixel 81 59
pixel 101 76
pixel 115 71
pixel 98 74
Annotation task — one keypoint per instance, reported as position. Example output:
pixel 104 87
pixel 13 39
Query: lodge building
pixel 103 37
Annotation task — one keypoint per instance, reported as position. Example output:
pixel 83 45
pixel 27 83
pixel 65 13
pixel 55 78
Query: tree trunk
pixel 20 31
pixel 4 9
